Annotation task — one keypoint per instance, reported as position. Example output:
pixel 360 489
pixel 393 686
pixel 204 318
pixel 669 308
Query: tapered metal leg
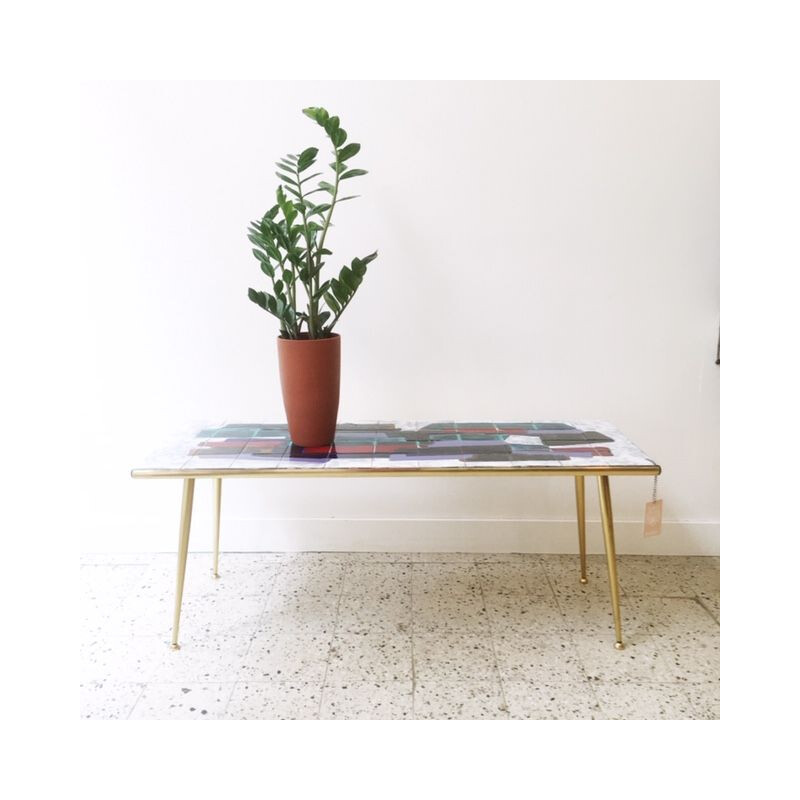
pixel 217 508
pixel 611 555
pixel 580 503
pixel 183 550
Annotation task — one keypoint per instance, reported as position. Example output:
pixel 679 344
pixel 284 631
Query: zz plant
pixel 290 240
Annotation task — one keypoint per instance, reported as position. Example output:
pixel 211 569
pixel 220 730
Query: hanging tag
pixel 652 513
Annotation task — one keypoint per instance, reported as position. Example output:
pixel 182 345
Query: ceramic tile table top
pixel 371 449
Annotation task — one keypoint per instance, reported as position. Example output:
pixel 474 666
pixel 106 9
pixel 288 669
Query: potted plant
pixel 290 247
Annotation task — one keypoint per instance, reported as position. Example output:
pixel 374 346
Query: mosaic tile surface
pixel 405 445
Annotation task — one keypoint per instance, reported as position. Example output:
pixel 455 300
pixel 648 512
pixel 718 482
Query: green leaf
pixel 352 173
pixel 320 209
pixel 288 277
pixel 349 197
pixel 287 178
pixel 323 317
pixel 317 113
pixel 306 158
pixel 349 151
pixel 332 303
pixel 327 187
pixel 258 298
pixel 370 257
pixel 267 269
pixel 338 137
pixel 331 124
pixel 278 287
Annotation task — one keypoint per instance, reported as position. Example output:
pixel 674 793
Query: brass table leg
pixel 183 550
pixel 580 502
pixel 611 556
pixel 217 508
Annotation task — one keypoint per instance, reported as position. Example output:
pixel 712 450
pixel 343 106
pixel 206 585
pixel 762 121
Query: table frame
pixel 602 473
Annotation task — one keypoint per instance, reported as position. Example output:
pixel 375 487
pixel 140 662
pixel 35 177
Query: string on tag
pixel 655 488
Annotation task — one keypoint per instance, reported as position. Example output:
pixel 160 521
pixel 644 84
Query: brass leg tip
pixel 216 574
pixel 584 581
pixel 619 645
pixel 175 646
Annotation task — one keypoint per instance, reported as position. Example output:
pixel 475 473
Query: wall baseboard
pixel 421 535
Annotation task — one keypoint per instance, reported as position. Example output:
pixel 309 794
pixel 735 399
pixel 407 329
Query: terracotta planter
pixel 310 384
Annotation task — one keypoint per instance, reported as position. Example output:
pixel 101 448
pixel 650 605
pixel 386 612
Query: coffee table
pixel 574 449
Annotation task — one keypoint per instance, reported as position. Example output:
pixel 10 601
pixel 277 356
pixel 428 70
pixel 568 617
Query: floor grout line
pixel 499 675
pixel 330 644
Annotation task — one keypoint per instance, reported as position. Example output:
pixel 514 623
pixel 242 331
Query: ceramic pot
pixel 310 384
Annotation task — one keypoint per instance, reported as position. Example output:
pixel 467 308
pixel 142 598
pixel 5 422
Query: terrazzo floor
pixel 399 636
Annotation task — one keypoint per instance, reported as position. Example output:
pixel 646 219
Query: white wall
pixel 546 250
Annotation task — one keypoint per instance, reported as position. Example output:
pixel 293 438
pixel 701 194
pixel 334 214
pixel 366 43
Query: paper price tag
pixel 652 518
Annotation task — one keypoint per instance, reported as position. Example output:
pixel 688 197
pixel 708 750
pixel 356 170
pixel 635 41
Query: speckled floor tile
pixel 645 658
pixel 377 579
pixel 505 558
pixel 655 576
pixel 710 601
pixel 212 615
pixel 564 573
pixel 704 697
pixel 524 614
pixel 274 700
pixel 108 699
pixel 539 659
pixel 444 558
pixel 459 700
pixel 122 660
pixel 366 700
pixel 287 657
pixel 525 577
pixel 300 612
pixel 444 578
pixel 204 660
pixel 640 615
pixel 448 656
pixel 380 613
pixel 695 657
pixel 631 700
pixel 551 701
pixel 179 701
pixel 310 579
pixel 109 584
pixel 372 657
pixel 455 612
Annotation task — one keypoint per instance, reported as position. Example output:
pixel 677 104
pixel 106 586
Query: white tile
pixel 553 700
pixel 367 700
pixel 122 660
pixel 538 659
pixel 464 700
pixel 204 660
pixel 108 699
pixel 450 656
pixel 449 578
pixel 632 700
pixel 645 658
pixel 525 577
pixel 440 611
pixel 525 614
pixel 381 613
pixel 182 701
pixel 311 579
pixel 300 612
pixel 274 700
pixel 287 657
pixel 377 579
pixel 377 657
